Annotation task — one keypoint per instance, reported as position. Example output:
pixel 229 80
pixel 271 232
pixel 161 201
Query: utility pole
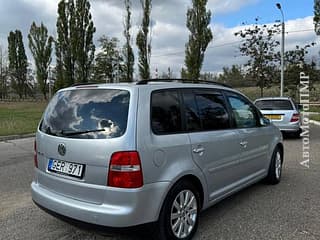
pixel 282 50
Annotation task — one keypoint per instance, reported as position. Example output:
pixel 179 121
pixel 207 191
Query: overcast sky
pixel 169 33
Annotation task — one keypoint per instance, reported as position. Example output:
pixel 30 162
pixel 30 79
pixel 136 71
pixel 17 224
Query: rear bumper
pixel 125 207
pixel 290 127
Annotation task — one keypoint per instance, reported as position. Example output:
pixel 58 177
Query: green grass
pixel 314 109
pixel 254 92
pixel 274 91
pixel 20 117
pixel 315 117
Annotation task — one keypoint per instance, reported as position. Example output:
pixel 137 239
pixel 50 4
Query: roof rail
pixel 84 84
pixel 146 81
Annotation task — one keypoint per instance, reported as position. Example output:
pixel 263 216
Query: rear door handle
pixel 198 150
pixel 244 144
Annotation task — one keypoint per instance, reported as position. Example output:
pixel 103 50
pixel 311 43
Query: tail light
pixel 35 156
pixel 295 117
pixel 125 170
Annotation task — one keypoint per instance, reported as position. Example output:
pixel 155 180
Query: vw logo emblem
pixel 62 149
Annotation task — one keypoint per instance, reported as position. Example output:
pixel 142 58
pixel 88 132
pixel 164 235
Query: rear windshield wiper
pixel 71 133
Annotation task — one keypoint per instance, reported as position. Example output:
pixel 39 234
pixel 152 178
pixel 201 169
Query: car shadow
pixel 290 137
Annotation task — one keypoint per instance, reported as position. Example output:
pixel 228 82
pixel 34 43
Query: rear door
pixel 255 139
pixel 215 146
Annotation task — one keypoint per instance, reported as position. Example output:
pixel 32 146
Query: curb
pixel 314 122
pixel 12 137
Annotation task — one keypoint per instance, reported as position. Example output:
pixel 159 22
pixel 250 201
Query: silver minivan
pixel 122 155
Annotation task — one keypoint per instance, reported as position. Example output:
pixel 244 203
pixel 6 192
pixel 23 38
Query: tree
pixel 3 74
pixel 31 85
pixel 259 45
pixel 65 45
pixel 295 60
pixel 198 21
pixel 127 49
pixel 143 41
pixel 297 56
pixel 316 18
pixel 18 63
pixel 233 76
pixel 183 73
pixel 40 45
pixel 74 44
pixel 83 39
pixel 209 76
pixel 109 62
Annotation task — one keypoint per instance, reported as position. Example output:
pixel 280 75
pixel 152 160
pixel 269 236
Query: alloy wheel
pixel 184 212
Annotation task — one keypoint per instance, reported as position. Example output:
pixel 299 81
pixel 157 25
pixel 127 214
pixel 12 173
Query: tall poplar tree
pixel 40 44
pixel 198 21
pixel 18 63
pixel 127 49
pixel 64 45
pixel 83 40
pixel 74 44
pixel 316 18
pixel 143 41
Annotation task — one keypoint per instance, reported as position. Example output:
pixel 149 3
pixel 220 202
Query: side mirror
pixel 264 121
pixel 300 107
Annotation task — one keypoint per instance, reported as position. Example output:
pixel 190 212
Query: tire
pixel 275 168
pixel 174 217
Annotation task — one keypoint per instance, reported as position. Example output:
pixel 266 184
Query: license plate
pixel 273 117
pixel 66 168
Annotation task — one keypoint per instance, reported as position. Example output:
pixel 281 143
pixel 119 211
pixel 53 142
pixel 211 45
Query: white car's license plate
pixel 67 168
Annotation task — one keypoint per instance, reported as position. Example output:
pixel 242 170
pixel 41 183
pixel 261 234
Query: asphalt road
pixel 290 210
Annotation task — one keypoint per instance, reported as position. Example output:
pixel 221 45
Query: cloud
pixel 108 19
pixel 228 6
pixel 20 14
pixel 169 33
pixel 224 49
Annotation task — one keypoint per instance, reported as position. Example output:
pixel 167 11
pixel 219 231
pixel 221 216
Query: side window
pixel 165 112
pixel 212 110
pixel 191 112
pixel 243 111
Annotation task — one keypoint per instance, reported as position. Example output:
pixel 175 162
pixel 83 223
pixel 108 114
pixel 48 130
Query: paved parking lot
pixel 290 210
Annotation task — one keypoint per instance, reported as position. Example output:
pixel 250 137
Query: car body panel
pixel 255 151
pixel 219 163
pixel 121 208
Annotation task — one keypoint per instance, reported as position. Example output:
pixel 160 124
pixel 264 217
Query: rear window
pixel 165 112
pixel 87 113
pixel 274 105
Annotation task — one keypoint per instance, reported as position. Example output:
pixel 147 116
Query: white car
pixel 283 112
